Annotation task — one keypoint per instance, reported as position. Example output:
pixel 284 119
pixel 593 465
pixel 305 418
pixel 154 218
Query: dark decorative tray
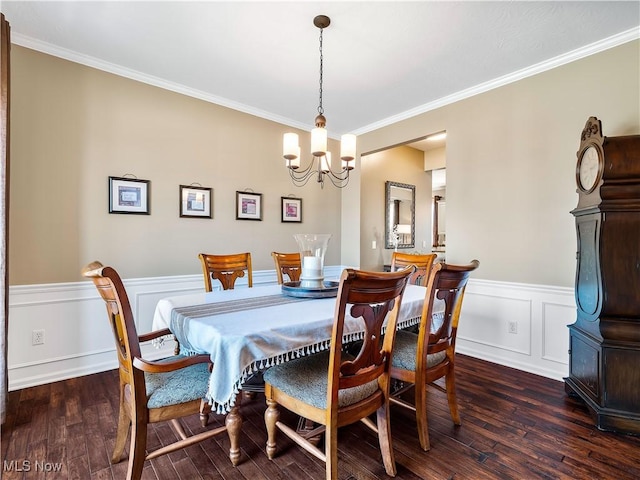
pixel 293 289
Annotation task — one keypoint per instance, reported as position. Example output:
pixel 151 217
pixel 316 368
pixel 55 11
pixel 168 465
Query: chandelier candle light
pixel 321 162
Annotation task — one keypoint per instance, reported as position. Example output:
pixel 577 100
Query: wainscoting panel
pixel 78 340
pixel 518 325
pixel 491 318
pixel 555 341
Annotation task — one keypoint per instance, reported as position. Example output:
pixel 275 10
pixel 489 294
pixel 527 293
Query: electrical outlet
pixel 37 337
pixel 513 327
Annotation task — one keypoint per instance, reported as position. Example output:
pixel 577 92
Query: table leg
pixel 233 421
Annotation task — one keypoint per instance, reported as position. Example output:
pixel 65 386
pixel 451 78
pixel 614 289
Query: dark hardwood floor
pixel 514 426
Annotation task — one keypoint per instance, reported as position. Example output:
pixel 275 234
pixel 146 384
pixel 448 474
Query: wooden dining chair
pixel 333 388
pixel 150 391
pixel 423 265
pixel 420 359
pixel 287 264
pixel 226 268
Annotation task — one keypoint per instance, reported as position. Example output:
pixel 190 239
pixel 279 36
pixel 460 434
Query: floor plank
pixel 515 425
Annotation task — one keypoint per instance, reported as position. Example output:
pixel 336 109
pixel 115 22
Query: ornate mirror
pixel 399 224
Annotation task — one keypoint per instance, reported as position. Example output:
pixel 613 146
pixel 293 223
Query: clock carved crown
pixel 593 128
pixel 607 169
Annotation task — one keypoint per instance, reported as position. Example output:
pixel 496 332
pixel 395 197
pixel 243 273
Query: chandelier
pixel 320 164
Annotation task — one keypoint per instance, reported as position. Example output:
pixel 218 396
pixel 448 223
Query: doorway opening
pixel 413 163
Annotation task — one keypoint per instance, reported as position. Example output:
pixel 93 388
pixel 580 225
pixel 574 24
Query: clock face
pixel 589 168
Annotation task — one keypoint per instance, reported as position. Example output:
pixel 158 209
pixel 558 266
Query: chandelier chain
pixel 320 108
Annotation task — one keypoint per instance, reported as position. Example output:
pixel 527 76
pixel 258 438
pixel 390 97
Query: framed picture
pixel 129 195
pixel 195 202
pixel 248 206
pixel 291 209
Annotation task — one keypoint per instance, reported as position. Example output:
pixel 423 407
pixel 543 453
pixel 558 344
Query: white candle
pixel 318 141
pixel 311 267
pixel 290 148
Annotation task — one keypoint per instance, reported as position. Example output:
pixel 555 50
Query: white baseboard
pixel 78 340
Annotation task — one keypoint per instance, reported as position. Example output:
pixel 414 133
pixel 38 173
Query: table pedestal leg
pixel 233 421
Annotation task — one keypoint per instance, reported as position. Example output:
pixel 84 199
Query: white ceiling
pixel 383 61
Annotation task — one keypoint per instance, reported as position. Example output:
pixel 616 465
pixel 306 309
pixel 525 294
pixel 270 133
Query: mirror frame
pixel 389 214
pixel 437 199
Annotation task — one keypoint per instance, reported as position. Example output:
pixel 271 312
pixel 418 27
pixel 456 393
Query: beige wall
pixel 435 159
pixel 72 127
pixel 511 155
pixel 403 165
pixel 510 172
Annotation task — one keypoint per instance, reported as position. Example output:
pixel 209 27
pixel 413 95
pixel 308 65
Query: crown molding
pixel 66 54
pixel 597 47
pixel 89 61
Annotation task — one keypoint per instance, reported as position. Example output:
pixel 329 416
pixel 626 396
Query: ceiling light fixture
pixel 321 162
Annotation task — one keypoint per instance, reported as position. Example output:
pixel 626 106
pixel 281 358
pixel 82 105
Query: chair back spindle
pixel 423 264
pixel 287 264
pixel 226 269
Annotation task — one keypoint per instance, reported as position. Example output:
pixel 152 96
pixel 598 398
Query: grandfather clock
pixel 604 354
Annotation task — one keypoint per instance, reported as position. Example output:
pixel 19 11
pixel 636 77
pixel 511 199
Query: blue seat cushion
pixel 180 386
pixel 404 352
pixel 306 379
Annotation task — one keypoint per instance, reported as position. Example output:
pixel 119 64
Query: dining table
pixel 248 330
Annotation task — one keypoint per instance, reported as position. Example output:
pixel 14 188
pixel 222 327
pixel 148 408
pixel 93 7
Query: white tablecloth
pixel 249 339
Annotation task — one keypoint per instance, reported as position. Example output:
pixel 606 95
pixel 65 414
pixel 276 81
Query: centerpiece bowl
pixel 328 289
pixel 312 284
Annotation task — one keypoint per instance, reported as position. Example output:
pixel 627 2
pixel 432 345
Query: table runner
pixel 244 339
pixel 181 315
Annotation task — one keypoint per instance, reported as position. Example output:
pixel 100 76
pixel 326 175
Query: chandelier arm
pixel 339 182
pixel 341 175
pixel 304 171
pixel 301 177
pixel 300 181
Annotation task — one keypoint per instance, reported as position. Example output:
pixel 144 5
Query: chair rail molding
pixel 77 340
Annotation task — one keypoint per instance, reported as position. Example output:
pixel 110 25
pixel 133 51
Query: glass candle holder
pixel 313 247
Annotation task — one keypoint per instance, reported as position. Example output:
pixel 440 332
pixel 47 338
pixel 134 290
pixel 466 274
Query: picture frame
pixel 195 202
pixel 248 206
pixel 129 195
pixel 291 209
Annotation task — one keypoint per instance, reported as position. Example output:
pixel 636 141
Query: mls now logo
pixel 27 466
